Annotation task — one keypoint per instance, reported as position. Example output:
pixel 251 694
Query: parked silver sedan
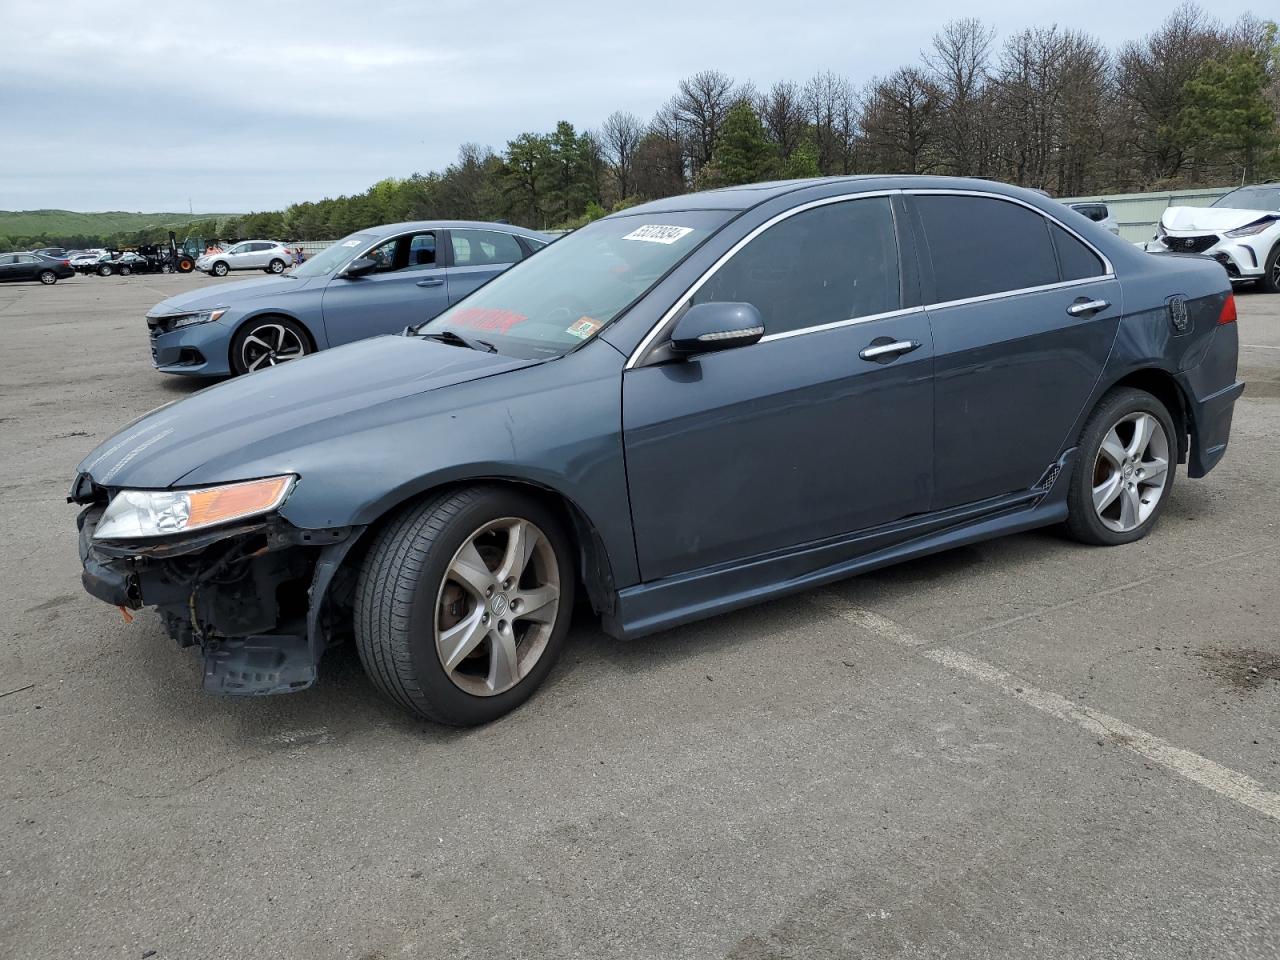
pixel 265 255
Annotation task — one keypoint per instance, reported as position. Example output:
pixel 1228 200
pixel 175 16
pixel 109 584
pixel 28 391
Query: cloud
pixel 255 105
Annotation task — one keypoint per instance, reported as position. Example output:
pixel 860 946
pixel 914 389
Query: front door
pixel 478 257
pixel 1023 315
pixel 407 288
pixel 798 437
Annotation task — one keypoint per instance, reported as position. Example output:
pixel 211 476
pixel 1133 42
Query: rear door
pixel 478 257
pixel 408 287
pixel 797 437
pixel 8 266
pixel 1024 313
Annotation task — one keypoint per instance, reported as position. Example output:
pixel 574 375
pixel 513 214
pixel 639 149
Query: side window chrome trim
pixel 836 324
pixel 1107 269
pixel 1006 294
pixel 665 322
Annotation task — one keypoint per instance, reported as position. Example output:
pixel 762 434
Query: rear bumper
pixel 1211 428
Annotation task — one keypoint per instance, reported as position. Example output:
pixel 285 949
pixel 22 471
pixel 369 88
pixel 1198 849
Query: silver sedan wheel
pixel 1130 472
pixel 270 344
pixel 497 606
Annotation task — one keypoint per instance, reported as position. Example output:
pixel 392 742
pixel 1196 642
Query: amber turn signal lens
pixel 235 500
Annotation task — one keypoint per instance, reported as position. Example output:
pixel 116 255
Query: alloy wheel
pixel 1130 472
pixel 270 344
pixel 48 276
pixel 497 606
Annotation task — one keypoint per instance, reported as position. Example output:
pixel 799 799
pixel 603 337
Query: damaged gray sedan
pixel 679 410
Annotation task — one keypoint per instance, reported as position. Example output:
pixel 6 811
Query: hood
pixel 229 294
pixel 1212 219
pixel 283 407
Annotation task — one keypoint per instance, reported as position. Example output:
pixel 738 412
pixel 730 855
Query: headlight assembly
pixel 1252 230
pixel 139 514
pixel 190 319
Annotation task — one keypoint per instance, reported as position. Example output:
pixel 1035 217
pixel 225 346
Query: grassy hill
pixel 26 223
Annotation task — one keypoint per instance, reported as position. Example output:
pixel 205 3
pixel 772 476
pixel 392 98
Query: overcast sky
pixel 289 101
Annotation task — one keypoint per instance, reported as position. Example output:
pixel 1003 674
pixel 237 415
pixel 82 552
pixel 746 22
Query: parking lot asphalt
pixel 1024 748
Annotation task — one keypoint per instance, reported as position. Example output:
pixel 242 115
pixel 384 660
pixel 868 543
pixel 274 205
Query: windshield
pixel 331 258
pixel 551 303
pixel 1251 198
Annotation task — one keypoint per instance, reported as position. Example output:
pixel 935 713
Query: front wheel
pixel 268 342
pixel 48 277
pixel 1124 469
pixel 463 603
pixel 104 271
pixel 1271 278
pixel 220 269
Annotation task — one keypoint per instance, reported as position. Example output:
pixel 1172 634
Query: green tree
pixel 743 152
pixel 1227 112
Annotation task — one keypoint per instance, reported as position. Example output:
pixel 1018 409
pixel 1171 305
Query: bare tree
pixel 621 136
pixel 782 112
pixel 699 108
pixel 899 121
pixel 830 107
pixel 958 65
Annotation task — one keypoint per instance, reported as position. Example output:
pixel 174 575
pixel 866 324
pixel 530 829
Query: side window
pixel 6 259
pixel 422 250
pixel 472 248
pixel 981 246
pixel 834 262
pixel 384 254
pixel 27 258
pixel 1077 261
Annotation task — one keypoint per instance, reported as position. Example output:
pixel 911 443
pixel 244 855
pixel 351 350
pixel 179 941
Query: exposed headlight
pixel 138 514
pixel 1161 231
pixel 1252 229
pixel 190 319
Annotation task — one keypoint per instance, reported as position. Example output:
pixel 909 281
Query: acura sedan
pixel 681 409
pixel 376 281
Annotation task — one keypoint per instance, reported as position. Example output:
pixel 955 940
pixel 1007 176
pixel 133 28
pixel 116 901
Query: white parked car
pixel 265 255
pixel 1241 230
pixel 1098 212
pixel 88 261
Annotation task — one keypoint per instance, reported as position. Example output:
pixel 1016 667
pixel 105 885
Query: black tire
pixel 220 269
pixel 1083 522
pixel 276 266
pixel 1271 275
pixel 186 265
pixel 240 366
pixel 104 270
pixel 125 271
pixel 48 277
pixel 396 595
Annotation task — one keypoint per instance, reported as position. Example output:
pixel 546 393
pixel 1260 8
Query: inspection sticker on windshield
pixel 352 243
pixel 658 233
pixel 583 328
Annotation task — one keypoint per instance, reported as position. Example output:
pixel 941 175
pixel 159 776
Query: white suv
pixel 1241 230
pixel 265 255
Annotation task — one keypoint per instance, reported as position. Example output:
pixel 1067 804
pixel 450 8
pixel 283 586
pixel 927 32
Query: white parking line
pixel 1260 346
pixel 1223 781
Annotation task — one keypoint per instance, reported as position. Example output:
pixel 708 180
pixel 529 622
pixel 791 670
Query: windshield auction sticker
pixel 583 328
pixel 658 233
pixel 487 318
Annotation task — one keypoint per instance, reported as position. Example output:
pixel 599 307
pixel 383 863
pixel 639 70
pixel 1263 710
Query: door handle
pixel 885 349
pixel 1082 307
pixel 431 283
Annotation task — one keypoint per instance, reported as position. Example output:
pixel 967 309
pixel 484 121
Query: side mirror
pixel 716 326
pixel 360 266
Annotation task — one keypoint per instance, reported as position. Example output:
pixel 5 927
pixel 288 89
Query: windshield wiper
pixel 458 340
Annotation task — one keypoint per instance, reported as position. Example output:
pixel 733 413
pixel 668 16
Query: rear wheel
pixel 220 269
pixel 276 266
pixel 1124 469
pixel 1271 278
pixel 186 265
pixel 48 277
pixel 125 271
pixel 463 604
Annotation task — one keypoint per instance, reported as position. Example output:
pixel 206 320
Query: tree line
pixel 1193 103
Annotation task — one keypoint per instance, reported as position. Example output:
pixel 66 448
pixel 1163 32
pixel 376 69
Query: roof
pixel 386 229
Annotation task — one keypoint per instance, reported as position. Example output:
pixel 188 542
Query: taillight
pixel 1228 314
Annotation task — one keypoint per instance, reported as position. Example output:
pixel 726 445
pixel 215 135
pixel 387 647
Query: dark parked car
pixel 34 266
pixel 681 409
pixel 376 281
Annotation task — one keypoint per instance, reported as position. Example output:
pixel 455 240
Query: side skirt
pixel 672 602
